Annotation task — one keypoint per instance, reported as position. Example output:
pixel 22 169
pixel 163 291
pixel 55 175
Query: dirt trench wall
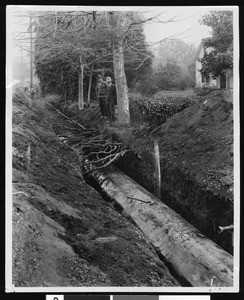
pixel 201 207
pixel 64 233
pixel 198 259
pixel 196 204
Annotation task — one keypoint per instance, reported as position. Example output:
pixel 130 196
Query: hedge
pixel 156 112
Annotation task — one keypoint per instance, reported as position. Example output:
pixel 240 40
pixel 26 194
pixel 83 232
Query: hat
pixel 108 79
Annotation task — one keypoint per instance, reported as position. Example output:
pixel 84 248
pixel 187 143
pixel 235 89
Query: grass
pixel 160 94
pixel 174 93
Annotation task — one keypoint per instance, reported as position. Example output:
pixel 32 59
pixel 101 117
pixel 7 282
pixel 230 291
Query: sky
pixel 184 22
pixel 172 22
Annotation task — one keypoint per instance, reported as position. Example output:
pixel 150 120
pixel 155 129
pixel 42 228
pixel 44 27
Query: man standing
pixel 101 91
pixel 111 99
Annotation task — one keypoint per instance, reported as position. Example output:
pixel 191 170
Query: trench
pixel 200 207
pixel 140 169
pixel 192 255
pixel 180 279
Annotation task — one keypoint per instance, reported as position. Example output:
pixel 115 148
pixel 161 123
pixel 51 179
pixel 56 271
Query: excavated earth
pixel 196 149
pixel 64 232
pixel 196 158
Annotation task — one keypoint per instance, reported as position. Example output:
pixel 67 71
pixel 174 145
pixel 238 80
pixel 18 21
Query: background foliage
pixel 219 60
pixel 56 60
pixel 155 112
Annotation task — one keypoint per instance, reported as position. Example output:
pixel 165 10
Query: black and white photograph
pixel 122 149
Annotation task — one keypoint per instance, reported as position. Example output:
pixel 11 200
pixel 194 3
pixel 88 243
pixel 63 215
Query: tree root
pixel 96 150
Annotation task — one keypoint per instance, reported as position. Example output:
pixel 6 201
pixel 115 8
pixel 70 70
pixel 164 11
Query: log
pixel 193 256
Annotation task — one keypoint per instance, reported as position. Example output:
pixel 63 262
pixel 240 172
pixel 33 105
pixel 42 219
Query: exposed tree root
pixel 96 150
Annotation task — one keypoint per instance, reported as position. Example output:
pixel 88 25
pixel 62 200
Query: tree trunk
pixel 121 84
pixel 119 70
pixel 90 84
pixel 80 96
pixel 31 54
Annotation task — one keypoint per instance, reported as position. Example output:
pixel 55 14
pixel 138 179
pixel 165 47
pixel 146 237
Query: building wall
pixel 198 66
pixel 212 82
pixel 199 80
pixel 230 82
pixel 218 82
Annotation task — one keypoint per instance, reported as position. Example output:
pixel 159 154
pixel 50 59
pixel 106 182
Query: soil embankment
pixel 196 157
pixel 197 259
pixel 64 232
pixel 196 149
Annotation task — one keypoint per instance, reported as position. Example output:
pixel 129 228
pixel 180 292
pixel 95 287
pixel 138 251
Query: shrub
pixel 147 88
pixel 156 112
pixel 204 90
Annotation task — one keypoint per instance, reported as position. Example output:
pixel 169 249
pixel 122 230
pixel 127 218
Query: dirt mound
pixel 196 149
pixel 200 141
pixel 196 158
pixel 64 233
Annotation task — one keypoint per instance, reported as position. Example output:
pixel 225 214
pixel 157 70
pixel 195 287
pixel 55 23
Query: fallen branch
pixel 102 159
pixel 106 151
pixel 72 121
pixel 96 150
pixel 105 165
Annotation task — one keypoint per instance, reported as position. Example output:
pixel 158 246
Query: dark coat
pixel 101 89
pixel 111 94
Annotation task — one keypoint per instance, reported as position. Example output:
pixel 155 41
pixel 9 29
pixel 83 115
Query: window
pixel 222 81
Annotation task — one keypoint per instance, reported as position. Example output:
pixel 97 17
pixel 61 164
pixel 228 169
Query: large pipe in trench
pixel 195 257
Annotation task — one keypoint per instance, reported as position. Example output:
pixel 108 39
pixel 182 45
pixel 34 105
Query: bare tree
pixel 119 24
pixel 123 26
pixel 69 37
pixel 83 38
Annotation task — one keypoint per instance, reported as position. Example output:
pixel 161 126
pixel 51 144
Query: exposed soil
pixel 64 232
pixel 200 139
pixel 196 151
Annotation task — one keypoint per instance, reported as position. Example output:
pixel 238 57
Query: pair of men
pixel 107 97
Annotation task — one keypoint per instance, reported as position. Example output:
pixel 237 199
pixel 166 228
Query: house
pixel 222 81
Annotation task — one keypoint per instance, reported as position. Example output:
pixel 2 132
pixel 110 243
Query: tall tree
pixel 219 59
pixel 138 59
pixel 175 49
pixel 119 25
pixel 175 52
pixel 124 35
pixel 68 37
pixel 168 76
pixel 90 40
